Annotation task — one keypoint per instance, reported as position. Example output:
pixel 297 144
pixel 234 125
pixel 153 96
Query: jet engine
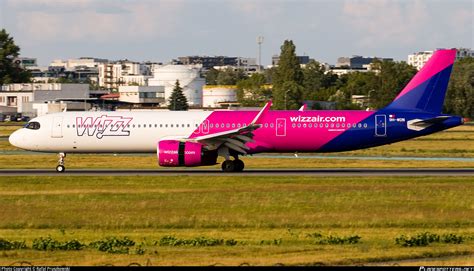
pixel 173 153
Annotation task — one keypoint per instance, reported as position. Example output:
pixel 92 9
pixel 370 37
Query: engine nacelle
pixel 173 153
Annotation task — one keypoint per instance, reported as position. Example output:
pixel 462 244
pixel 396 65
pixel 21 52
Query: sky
pixel 161 30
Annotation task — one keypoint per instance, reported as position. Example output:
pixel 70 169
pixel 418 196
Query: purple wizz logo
pixel 103 126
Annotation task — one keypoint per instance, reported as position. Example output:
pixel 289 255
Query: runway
pixel 321 172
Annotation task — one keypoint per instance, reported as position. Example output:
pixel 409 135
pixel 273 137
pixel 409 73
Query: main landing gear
pixel 61 167
pixel 235 165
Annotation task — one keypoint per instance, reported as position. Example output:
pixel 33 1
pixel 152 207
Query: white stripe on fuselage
pixel 112 131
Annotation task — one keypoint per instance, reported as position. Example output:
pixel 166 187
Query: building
pixel 82 74
pixel 72 64
pixel 23 97
pixel 26 62
pixel 357 62
pixel 419 59
pixel 122 73
pixel 342 70
pixel 142 94
pixel 303 60
pixel 219 96
pixel 208 62
pixel 190 79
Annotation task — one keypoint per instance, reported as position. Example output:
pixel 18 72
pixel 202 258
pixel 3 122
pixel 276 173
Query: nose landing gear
pixel 60 167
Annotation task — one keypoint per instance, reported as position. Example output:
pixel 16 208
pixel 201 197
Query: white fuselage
pixel 95 132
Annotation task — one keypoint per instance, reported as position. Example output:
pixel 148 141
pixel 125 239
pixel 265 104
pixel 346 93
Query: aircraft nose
pixel 15 139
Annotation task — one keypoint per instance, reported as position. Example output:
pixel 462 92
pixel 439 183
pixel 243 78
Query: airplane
pixel 198 138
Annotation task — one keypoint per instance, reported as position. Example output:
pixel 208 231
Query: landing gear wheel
pixel 228 166
pixel 239 165
pixel 60 168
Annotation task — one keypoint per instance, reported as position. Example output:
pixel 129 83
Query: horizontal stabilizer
pixel 419 124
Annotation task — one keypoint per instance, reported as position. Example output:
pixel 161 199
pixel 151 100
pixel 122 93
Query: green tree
pixel 230 76
pixel 10 72
pixel 211 76
pixel 65 80
pixel 460 94
pixel 252 91
pixel 288 79
pixel 312 79
pixel 392 78
pixel 177 100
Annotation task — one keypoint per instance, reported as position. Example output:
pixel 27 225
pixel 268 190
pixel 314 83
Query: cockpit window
pixel 32 125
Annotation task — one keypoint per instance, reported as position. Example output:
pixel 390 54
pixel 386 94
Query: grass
pixel 254 211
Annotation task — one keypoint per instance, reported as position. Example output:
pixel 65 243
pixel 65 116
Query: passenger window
pixel 365 125
pixel 73 126
pixel 293 125
pixel 171 125
pixel 304 125
pixel 310 125
pixel 68 126
pixel 166 125
pixel 189 125
pixel 161 125
pixel 266 125
pixel 359 125
pixel 271 125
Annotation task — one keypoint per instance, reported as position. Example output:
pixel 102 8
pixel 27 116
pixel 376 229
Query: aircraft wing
pixel 234 139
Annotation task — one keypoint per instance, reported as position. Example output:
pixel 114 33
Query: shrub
pixel 51 244
pixel 334 240
pixel 171 240
pixel 425 238
pixel 230 242
pixel 275 242
pixel 452 238
pixel 113 245
pixel 10 245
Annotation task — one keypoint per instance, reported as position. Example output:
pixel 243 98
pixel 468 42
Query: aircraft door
pixel 205 127
pixel 280 127
pixel 380 125
pixel 57 128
